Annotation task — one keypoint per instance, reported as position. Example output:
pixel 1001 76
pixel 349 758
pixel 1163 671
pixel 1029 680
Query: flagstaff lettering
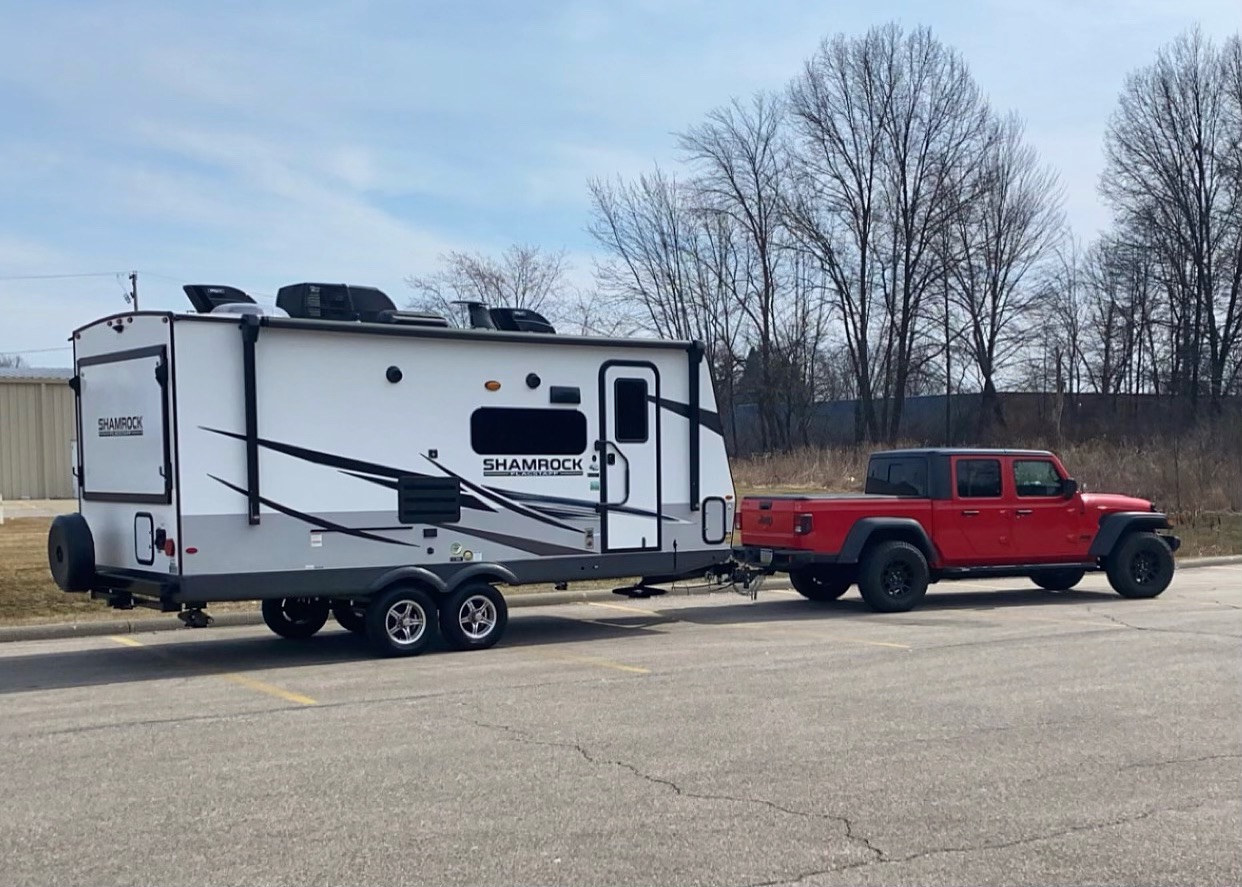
pixel 532 466
pixel 120 426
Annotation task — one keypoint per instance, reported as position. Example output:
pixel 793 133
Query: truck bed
pixel 818 521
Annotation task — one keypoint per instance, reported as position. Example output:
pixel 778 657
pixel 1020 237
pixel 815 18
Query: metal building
pixel 37 433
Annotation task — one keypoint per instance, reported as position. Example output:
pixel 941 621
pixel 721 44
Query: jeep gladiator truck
pixel 932 514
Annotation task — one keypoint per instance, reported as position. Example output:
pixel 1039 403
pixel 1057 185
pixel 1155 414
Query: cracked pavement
pixel 999 734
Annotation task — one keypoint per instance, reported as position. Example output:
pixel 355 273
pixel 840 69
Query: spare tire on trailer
pixel 71 553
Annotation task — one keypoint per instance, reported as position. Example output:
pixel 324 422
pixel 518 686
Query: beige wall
pixel 36 439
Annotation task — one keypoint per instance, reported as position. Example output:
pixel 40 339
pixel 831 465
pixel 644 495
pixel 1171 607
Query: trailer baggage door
pixel 629 449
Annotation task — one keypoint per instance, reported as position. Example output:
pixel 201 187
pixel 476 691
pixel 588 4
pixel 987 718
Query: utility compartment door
pixel 629 450
pixel 124 440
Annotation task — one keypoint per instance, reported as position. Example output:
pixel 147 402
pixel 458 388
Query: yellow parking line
pixel 269 689
pixel 619 607
pixel 250 683
pixel 591 660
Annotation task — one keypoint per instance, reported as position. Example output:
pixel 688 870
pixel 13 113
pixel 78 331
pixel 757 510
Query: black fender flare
pixel 416 575
pixel 862 531
pixel 1116 525
pixel 487 572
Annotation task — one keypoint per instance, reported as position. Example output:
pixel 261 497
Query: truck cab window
pixel 979 479
pixel 1036 477
pixel 897 477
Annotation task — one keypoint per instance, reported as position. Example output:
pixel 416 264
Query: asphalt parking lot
pixel 993 736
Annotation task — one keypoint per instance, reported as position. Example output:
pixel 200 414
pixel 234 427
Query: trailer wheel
pixel 894 577
pixel 820 583
pixel 474 617
pixel 350 615
pixel 295 617
pixel 1058 580
pixel 1141 566
pixel 401 621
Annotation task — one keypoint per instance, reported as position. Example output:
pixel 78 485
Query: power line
pixel 58 276
pixel 37 350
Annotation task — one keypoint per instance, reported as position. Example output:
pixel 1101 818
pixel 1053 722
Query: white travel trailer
pixel 336 456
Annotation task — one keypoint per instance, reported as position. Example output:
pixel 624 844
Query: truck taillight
pixel 803 524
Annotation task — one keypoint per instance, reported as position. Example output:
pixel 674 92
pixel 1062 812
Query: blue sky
pixel 263 143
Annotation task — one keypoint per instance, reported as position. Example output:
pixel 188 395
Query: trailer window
pixel 630 397
pixel 1036 477
pixel 979 479
pixel 516 431
pixel 897 477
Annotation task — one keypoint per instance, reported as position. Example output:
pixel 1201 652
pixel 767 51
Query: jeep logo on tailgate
pixel 120 426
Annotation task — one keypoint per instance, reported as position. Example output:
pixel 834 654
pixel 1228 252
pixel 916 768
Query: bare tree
pixel 738 157
pixel 11 361
pixel 521 277
pixel 1171 176
pixel 1009 222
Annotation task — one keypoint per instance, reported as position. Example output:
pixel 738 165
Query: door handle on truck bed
pixel 971 513
pixel 1022 511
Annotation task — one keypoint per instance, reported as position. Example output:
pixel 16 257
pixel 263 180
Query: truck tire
pixel 820 583
pixel 350 615
pixel 295 617
pixel 401 621
pixel 1140 566
pixel 1058 580
pixel 473 617
pixel 894 577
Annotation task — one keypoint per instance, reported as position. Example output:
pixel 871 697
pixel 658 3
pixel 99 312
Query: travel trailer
pixel 335 456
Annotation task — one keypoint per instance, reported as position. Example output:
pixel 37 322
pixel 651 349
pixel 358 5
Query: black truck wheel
pixel 350 615
pixel 820 583
pixel 1062 579
pixel 1140 566
pixel 401 621
pixel 473 617
pixel 893 577
pixel 295 617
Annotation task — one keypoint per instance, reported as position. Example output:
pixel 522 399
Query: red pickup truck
pixel 933 514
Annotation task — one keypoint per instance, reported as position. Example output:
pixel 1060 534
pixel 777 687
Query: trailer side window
pixel 630 398
pixel 978 479
pixel 517 431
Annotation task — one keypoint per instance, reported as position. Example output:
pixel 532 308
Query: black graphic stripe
pixel 317 522
pixel 342 462
pixel 533 546
pixel 707 418
pixel 537 500
pixel 511 506
pixel 467 500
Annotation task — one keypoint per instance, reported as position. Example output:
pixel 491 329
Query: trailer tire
pixel 1058 580
pixel 401 621
pixel 474 617
pixel 820 583
pixel 296 618
pixel 1140 566
pixel 893 577
pixel 71 553
pixel 350 615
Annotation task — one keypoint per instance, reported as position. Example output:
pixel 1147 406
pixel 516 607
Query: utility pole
pixel 948 374
pixel 133 288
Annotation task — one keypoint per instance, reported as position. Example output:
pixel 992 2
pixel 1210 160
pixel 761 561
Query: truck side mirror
pixel 1069 487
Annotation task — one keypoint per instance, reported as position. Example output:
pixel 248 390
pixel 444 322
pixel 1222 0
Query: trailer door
pixel 629 448
pixel 125 444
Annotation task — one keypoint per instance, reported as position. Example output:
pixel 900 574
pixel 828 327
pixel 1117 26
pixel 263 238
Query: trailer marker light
pixel 191 550
pixel 492 385
pixel 170 547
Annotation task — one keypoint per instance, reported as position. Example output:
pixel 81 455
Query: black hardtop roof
pixel 960 451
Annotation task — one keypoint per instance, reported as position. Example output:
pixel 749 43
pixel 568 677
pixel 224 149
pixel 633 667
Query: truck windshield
pixel 899 476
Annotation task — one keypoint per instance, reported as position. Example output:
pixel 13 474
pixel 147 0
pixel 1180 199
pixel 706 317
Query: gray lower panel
pixel 358 581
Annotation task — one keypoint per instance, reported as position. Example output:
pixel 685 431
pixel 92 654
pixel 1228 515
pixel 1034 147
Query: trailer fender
pixel 874 528
pixel 1114 526
pixel 414 575
pixel 481 572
